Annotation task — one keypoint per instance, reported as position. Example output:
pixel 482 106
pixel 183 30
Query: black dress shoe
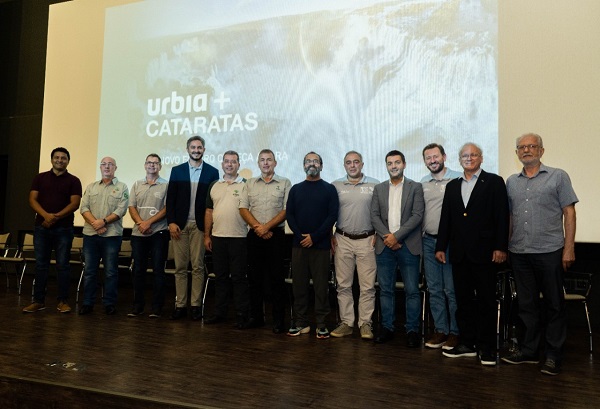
pixel 255 323
pixel 385 335
pixel 86 309
pixel 214 320
pixel 249 323
pixel 278 329
pixel 413 340
pixel 110 310
pixel 196 313
pixel 179 312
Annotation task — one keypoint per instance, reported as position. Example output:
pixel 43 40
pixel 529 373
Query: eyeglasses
pixel 152 163
pixel 470 156
pixel 109 164
pixel 530 146
pixel 314 161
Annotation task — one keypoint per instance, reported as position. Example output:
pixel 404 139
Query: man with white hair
pixel 542 246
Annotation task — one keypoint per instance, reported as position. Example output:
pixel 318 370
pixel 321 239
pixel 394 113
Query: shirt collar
pixel 542 168
pixel 362 180
pixel 113 181
pixel 275 178
pixel 476 175
pixel 195 168
pixel 239 179
pixel 399 184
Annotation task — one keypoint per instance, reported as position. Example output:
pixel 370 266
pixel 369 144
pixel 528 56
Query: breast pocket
pixel 113 200
pixel 276 199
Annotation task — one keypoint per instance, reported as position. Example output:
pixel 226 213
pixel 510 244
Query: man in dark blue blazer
pixel 186 204
pixel 474 223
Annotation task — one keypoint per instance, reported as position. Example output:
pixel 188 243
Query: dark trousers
pixel 535 274
pixel 266 275
pixel 310 263
pixel 229 255
pixel 477 309
pixel 154 247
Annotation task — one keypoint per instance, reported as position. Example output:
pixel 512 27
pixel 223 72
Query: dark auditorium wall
pixel 23 35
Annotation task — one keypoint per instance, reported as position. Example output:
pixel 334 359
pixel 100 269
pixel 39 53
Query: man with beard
pixel 186 203
pixel 542 246
pixel 225 235
pixel 353 248
pixel 474 222
pixel 396 213
pixel 262 205
pixel 312 209
pixel 440 283
pixel 55 195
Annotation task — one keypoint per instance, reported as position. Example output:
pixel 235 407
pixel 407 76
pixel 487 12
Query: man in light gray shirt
pixel 103 206
pixel 353 247
pixel 440 283
pixel 149 236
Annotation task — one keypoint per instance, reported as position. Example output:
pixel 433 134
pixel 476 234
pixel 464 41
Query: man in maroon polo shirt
pixel 54 196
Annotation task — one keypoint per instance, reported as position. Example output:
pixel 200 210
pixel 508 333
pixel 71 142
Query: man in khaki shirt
pixel 263 207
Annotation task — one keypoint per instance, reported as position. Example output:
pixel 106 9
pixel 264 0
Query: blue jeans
pixel 156 247
pixel 107 249
pixel 408 263
pixel 44 241
pixel 440 285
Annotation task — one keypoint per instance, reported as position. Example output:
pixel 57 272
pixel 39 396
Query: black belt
pixel 431 235
pixel 355 236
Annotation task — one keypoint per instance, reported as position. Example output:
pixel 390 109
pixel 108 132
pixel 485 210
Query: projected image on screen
pixel 297 76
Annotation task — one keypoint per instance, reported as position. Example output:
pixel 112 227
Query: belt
pixel 432 235
pixel 355 236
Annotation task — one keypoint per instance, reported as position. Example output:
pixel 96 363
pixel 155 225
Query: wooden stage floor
pixel 52 360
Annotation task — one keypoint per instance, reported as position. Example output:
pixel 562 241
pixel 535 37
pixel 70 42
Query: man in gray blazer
pixel 397 213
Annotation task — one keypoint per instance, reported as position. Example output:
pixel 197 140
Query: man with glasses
pixel 103 206
pixel 312 209
pixel 149 236
pixel 542 246
pixel 186 204
pixel 225 235
pixel 397 213
pixel 474 223
pixel 55 195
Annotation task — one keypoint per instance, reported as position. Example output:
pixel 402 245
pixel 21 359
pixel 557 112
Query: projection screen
pixel 127 78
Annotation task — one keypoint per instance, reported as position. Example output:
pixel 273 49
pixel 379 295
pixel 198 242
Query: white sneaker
pixel 295 331
pixel 366 332
pixel 342 330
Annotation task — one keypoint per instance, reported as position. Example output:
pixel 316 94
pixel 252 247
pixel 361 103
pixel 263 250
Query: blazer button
pixel 464 214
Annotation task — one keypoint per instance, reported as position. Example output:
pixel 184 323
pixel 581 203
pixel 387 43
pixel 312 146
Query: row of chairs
pixel 577 285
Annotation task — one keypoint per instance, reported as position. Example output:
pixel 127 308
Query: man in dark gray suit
pixel 396 213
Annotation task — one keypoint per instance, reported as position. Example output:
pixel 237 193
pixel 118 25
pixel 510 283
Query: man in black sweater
pixel 311 211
